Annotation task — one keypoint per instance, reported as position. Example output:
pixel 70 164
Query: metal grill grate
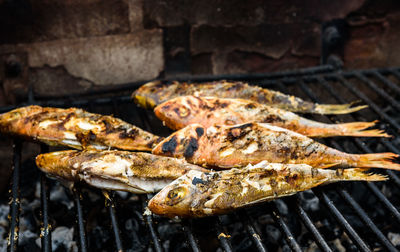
pixel 380 89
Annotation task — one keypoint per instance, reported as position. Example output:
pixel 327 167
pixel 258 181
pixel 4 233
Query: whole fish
pixel 251 143
pixel 199 194
pixel 75 128
pixel 182 111
pixel 135 172
pixel 155 93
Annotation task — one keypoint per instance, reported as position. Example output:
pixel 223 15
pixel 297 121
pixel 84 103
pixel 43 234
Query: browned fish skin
pixel 155 93
pixel 251 143
pixel 182 111
pixel 135 172
pixel 75 128
pixel 199 194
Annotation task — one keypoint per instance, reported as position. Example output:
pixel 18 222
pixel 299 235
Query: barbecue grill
pixel 363 215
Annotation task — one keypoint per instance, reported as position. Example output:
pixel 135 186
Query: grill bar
pixel 81 223
pixel 189 235
pixel 15 198
pixel 222 237
pixel 371 104
pixel 45 230
pixel 150 224
pixel 385 81
pixel 310 226
pixel 364 217
pixel 380 91
pixel 342 221
pixel 114 224
pixel 252 231
pixel 44 198
pixel 285 229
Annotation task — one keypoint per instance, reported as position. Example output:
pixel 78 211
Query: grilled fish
pixel 199 194
pixel 251 143
pixel 135 172
pixel 155 93
pixel 75 128
pixel 208 111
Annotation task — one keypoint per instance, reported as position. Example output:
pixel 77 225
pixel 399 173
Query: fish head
pixel 179 198
pixel 180 111
pixel 55 164
pixel 183 143
pixel 153 93
pixel 18 114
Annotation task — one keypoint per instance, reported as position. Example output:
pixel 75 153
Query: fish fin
pixel 378 160
pixel 337 109
pixel 328 165
pixel 358 129
pixel 357 174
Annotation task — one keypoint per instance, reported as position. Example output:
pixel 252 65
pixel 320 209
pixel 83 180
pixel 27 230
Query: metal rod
pixel 367 221
pixel 150 224
pixel 251 230
pixel 386 81
pixel 310 226
pixel 187 230
pixel 222 236
pixel 284 229
pixel 371 104
pixel 45 233
pixel 342 221
pixel 378 90
pixel 15 198
pixel 81 223
pixel 114 224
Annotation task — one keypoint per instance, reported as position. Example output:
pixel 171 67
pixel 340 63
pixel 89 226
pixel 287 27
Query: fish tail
pixel 337 109
pixel 357 129
pixel 357 174
pixel 378 160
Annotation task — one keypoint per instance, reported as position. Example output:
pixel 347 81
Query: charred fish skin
pixel 251 143
pixel 135 172
pixel 75 128
pixel 155 93
pixel 199 194
pixel 182 111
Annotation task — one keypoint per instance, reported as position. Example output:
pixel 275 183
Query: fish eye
pixel 182 111
pixel 176 195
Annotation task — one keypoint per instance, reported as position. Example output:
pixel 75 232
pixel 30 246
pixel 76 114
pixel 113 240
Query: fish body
pixel 75 128
pixel 135 172
pixel 155 93
pixel 199 194
pixel 182 111
pixel 251 143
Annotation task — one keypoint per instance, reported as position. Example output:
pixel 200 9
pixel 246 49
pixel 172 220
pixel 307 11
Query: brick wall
pixel 73 46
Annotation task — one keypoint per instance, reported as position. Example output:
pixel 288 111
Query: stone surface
pixel 51 20
pixel 52 81
pixel 247 13
pixel 249 62
pixel 176 13
pixel 103 60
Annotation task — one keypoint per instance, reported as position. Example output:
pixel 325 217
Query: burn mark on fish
pixel 291 179
pixel 131 134
pixel 199 131
pixel 250 106
pixel 191 148
pixel 169 146
pixel 197 180
pixel 272 119
pixel 238 132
